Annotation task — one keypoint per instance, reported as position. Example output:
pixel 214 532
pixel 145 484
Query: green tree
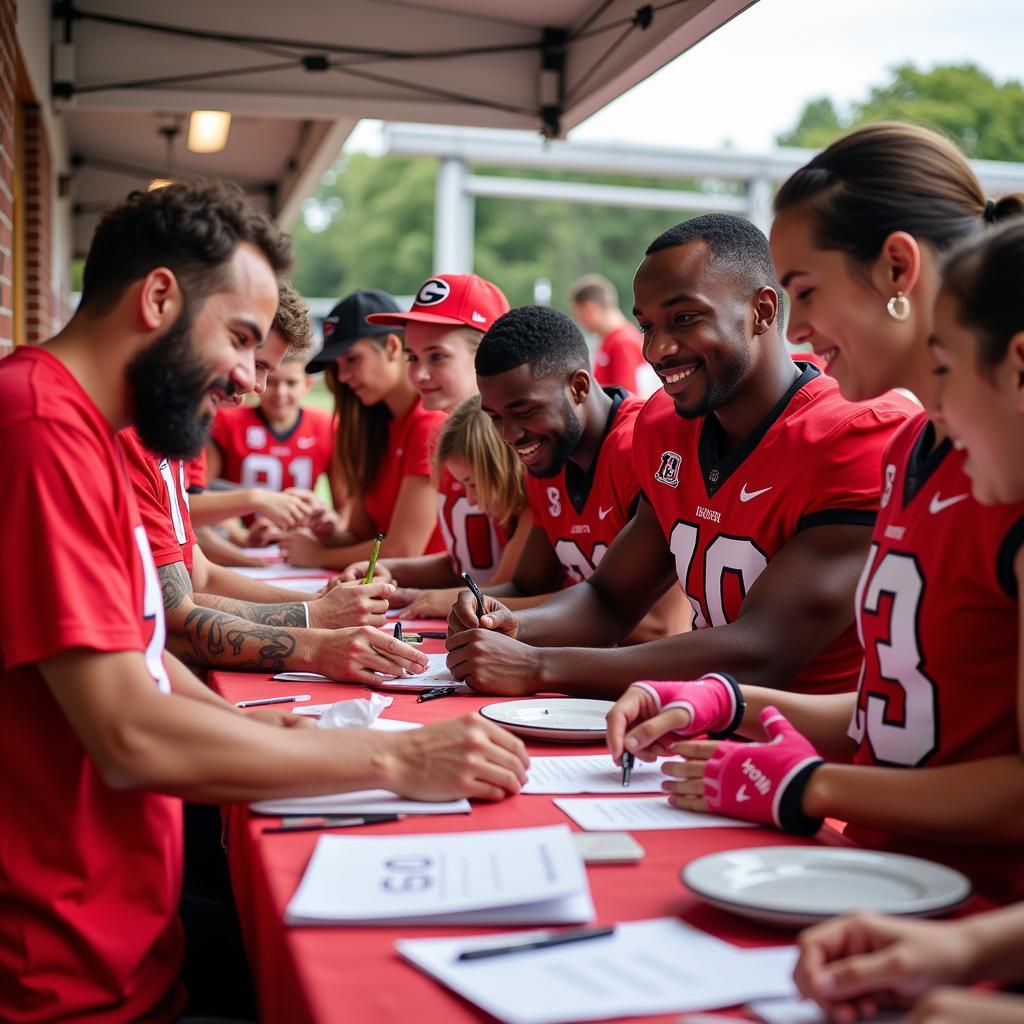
pixel 983 116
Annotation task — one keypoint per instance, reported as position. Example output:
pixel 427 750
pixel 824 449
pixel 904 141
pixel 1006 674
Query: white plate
pixel 555 719
pixel 803 884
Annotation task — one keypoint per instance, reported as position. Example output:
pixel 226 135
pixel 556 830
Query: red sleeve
pixel 69 583
pixel 419 445
pixel 624 361
pixel 153 499
pixel 195 473
pixel 846 483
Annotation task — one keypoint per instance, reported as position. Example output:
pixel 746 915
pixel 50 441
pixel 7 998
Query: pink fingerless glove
pixel 764 782
pixel 714 701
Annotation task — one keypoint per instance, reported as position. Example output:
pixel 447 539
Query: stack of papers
pixel 591 773
pixel 646 967
pixel 512 876
pixel 645 814
pixel 437 674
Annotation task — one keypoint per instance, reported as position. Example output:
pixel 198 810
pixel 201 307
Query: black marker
pixel 437 691
pixel 471 583
pixel 559 939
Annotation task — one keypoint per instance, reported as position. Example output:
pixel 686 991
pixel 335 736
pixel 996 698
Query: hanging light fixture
pixel 208 130
pixel 170 132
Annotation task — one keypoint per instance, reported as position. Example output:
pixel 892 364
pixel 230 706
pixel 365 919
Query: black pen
pixel 398 631
pixel 471 583
pixel 627 767
pixel 558 939
pixel 433 634
pixel 313 826
pixel 437 691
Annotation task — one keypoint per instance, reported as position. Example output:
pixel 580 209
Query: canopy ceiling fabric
pixel 298 75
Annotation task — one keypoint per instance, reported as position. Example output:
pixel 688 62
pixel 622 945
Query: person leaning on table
pixel 103 733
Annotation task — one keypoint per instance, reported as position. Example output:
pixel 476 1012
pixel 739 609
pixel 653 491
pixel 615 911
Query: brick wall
pixel 7 100
pixel 40 303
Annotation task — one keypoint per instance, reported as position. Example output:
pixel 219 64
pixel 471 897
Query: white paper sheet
pixel 508 876
pixel 804 1011
pixel 273 572
pixel 361 801
pixel 437 674
pixel 591 773
pixel 646 967
pixel 302 586
pixel 645 814
pixel 270 551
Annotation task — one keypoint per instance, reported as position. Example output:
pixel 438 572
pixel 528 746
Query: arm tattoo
pixel 288 614
pixel 225 641
pixel 175 584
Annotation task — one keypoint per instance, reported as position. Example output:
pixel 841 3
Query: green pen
pixel 374 552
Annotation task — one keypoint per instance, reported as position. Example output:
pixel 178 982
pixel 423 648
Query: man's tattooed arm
pixel 290 613
pixel 214 638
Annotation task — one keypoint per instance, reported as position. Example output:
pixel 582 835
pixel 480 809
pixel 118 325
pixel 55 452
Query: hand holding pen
pixel 472 608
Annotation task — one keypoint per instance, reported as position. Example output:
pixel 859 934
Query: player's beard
pixel 564 446
pixel 167 383
pixel 718 391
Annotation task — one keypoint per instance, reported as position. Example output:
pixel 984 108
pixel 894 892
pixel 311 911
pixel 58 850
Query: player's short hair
pixel 545 339
pixel 191 227
pixel 594 288
pixel 732 242
pixel 292 320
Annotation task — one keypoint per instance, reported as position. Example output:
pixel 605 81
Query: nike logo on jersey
pixel 938 504
pixel 746 495
pixel 741 794
pixel 305 442
pixel 602 512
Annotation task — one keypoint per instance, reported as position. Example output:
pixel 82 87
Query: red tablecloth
pixel 331 974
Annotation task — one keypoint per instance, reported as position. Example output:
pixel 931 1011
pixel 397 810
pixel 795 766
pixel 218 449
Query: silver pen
pixel 295 697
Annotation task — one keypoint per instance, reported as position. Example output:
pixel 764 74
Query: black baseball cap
pixel 346 324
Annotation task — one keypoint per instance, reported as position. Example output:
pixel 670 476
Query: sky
pixel 748 81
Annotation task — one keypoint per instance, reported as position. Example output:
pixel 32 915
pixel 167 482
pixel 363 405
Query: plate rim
pixel 543 728
pixel 906 909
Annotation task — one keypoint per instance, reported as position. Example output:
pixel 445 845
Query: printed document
pixel 645 814
pixel 591 773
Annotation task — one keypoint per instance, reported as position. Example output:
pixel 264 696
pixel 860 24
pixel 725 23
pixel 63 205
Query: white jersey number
pixel 736 555
pixel 575 563
pixel 153 608
pixel 260 470
pixel 904 735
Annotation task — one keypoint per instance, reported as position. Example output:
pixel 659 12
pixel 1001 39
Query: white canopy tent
pixel 297 77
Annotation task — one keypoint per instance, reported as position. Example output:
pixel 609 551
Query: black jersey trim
pixel 577 483
pixel 925 459
pixel 1007 555
pixel 838 517
pixel 717 467
pixel 273 433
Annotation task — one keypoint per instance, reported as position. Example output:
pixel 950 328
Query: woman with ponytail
pixel 926 757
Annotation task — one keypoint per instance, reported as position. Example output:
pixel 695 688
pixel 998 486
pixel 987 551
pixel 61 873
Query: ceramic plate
pixel 555 719
pixel 803 884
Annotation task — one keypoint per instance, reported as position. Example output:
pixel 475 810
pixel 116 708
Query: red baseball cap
pixel 462 300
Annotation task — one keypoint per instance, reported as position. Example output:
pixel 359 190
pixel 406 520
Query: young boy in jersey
pixel 574 440
pixel 760 485
pixel 278 444
pixel 107 732
pixel 619 361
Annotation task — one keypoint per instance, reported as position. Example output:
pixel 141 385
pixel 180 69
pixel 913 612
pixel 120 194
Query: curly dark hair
pixel 190 227
pixel 545 338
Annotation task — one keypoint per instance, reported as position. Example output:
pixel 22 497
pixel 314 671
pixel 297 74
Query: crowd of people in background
pixel 731 520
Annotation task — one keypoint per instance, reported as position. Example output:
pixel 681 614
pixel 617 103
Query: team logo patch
pixel 890 478
pixel 554 501
pixel 668 471
pixel 329 324
pixel 255 437
pixel 434 291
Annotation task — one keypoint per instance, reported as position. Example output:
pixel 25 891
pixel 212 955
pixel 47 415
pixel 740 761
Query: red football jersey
pixel 813 460
pixel 583 513
pixel 474 541
pixel 937 615
pixel 620 362
pixel 195 473
pixel 255 456
pixel 161 491
pixel 91 875
pixel 411 440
